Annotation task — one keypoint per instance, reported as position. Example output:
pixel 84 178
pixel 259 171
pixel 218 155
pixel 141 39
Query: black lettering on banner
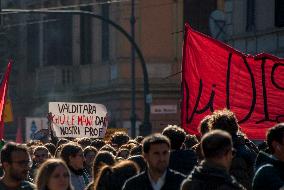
pixel 209 105
pixel 275 66
pixel 264 93
pixel 253 100
pixel 228 81
pixel 73 130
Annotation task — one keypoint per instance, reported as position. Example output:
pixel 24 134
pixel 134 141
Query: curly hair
pixel 224 120
pixel 176 135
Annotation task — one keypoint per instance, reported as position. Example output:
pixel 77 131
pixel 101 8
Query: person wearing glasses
pixel 213 172
pixel 16 163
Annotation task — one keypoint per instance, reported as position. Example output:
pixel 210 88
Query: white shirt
pixel 160 182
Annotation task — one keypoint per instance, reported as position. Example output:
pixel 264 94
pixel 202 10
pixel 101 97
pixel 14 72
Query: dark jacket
pixel 142 181
pixel 183 161
pixel 270 173
pixel 242 167
pixel 210 176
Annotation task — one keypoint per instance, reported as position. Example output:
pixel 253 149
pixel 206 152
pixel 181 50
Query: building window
pixel 279 13
pixel 86 36
pixel 105 33
pixel 58 40
pixel 197 12
pixel 250 15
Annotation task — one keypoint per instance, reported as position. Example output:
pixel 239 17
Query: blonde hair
pixel 45 171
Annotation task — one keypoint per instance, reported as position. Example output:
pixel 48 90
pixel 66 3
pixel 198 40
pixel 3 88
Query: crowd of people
pixel 221 158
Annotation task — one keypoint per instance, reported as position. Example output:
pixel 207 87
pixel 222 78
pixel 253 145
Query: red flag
pixel 216 76
pixel 3 95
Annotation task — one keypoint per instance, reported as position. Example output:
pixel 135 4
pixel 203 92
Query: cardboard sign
pixel 78 119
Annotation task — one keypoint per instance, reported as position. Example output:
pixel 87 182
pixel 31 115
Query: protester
pixel 203 129
pixel 119 138
pixel 242 165
pixel 270 173
pixel 53 175
pixel 139 160
pixel 89 154
pixel 123 153
pixel 73 156
pixel 16 163
pixel 40 155
pixel 51 148
pixel 213 172
pixel 156 151
pixel 113 177
pixel 180 160
pixel 102 158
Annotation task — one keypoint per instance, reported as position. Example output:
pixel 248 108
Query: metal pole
pixel 133 81
pixel 146 127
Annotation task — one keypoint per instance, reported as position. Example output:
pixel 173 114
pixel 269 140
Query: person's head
pixel 53 175
pixel 51 148
pixel 84 142
pixel 176 136
pixel 108 148
pixel 139 160
pixel 113 177
pixel 139 139
pixel 190 141
pixel 119 138
pixel 123 153
pixel 98 143
pixel 40 155
pixel 62 141
pixel 204 125
pixel 275 140
pixel 156 151
pixel 102 158
pixel 73 156
pixel 90 154
pixel 217 146
pixel 224 120
pixel 137 150
pixel 16 161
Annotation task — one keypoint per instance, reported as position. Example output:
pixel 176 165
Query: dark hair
pixel 154 139
pixel 113 177
pixel 190 141
pixel 224 120
pixel 108 148
pixel 119 138
pixel 102 158
pixel 62 141
pixel 216 143
pixel 204 125
pixel 69 149
pixel 137 150
pixel 9 148
pixel 176 136
pixel 89 149
pixel 98 143
pixel 118 154
pixel 139 139
pixel 139 160
pixel 51 148
pixel 84 142
pixel 275 133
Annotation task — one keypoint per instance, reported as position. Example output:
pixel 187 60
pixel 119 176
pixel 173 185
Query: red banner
pixel 216 76
pixel 3 95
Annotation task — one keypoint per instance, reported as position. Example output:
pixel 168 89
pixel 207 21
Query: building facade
pixel 80 59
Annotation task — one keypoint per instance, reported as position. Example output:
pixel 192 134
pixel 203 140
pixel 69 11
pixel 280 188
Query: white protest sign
pixel 78 119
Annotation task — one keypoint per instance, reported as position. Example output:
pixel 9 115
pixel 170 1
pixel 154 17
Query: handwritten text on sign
pixel 78 119
pixel 216 76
